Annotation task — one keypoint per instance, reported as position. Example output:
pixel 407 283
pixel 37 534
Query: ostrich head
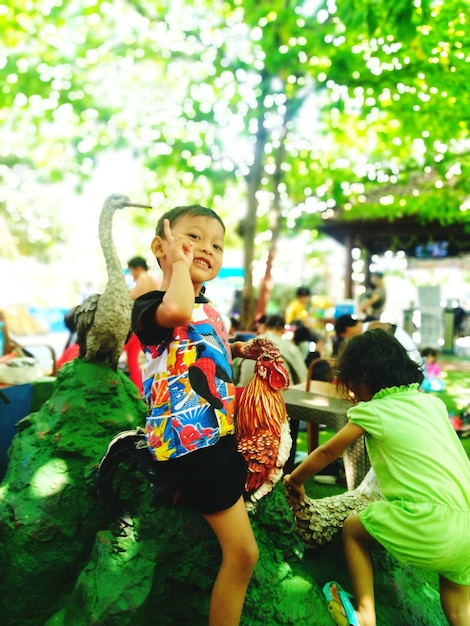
pixel 118 201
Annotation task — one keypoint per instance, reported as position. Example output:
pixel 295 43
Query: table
pixel 323 405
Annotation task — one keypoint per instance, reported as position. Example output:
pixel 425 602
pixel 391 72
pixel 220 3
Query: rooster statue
pixel 262 425
pixel 318 520
pixel 262 430
pixel 103 321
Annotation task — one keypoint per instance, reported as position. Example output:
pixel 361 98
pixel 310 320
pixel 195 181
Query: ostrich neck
pixel 113 264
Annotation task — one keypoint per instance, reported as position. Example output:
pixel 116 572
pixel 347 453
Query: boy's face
pixel 206 236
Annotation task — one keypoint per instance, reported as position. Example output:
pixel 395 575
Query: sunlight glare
pixel 3 490
pixel 50 479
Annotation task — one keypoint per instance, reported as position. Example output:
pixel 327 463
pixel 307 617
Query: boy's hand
pixel 255 347
pixel 241 349
pixel 180 248
pixel 237 349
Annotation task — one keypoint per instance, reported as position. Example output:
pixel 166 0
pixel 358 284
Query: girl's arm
pixel 320 458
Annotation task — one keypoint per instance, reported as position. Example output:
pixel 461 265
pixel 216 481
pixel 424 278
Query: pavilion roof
pixel 406 233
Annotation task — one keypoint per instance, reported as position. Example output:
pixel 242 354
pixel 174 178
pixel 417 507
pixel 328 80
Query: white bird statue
pixel 318 520
pixel 103 321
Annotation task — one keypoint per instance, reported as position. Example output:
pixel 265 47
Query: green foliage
pixel 239 100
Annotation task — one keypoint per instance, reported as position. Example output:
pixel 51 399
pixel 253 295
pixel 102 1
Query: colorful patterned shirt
pixel 187 378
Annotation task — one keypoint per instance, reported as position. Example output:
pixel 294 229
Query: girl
pixel 432 372
pixel 422 469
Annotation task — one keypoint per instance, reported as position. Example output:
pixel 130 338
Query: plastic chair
pixel 44 353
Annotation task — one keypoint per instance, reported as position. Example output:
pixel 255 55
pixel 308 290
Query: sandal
pixel 339 604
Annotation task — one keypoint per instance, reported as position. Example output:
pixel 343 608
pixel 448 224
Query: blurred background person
pixel 298 310
pixel 347 326
pixel 290 353
pixel 143 283
pixel 374 304
pixel 460 319
pixel 432 372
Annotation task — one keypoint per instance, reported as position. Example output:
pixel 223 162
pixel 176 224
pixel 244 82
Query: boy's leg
pixel 356 541
pixel 239 555
pixel 455 601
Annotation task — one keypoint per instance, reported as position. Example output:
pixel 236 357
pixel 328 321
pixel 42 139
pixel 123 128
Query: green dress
pixel 424 474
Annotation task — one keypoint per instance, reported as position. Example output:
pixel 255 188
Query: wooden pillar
pixel 348 283
pixel 367 262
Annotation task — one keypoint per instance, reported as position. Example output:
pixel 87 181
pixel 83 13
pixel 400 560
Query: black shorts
pixel 211 479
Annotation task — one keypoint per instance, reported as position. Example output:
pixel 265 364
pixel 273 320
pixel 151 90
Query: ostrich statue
pixel 103 321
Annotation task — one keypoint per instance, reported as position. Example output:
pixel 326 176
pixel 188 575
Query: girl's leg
pixel 239 556
pixel 455 601
pixel 356 541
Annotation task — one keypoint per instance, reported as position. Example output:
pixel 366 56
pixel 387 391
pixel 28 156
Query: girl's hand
pixel 294 491
pixel 180 248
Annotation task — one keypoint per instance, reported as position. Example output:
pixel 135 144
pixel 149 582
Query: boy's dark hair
pixel 69 320
pixel 235 322
pixel 322 370
pixel 275 321
pixel 376 360
pixel 137 261
pixel 302 291
pixel 302 333
pixel 261 321
pixel 195 210
pixel 343 322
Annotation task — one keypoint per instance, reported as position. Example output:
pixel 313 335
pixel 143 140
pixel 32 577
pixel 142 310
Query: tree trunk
pixel 276 225
pixel 248 227
pixel 291 108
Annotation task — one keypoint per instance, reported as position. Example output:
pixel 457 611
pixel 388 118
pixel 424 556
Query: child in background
pixel 421 467
pixel 191 396
pixel 432 372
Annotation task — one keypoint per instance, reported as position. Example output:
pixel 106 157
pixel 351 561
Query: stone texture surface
pixel 64 563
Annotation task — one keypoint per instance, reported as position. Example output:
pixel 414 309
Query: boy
pixel 189 388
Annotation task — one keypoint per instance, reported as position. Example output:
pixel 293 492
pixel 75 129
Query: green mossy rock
pixel 167 562
pixel 65 564
pixel 161 570
pixel 49 511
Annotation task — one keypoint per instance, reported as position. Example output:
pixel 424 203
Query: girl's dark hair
pixel 195 210
pixel 429 352
pixel 376 360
